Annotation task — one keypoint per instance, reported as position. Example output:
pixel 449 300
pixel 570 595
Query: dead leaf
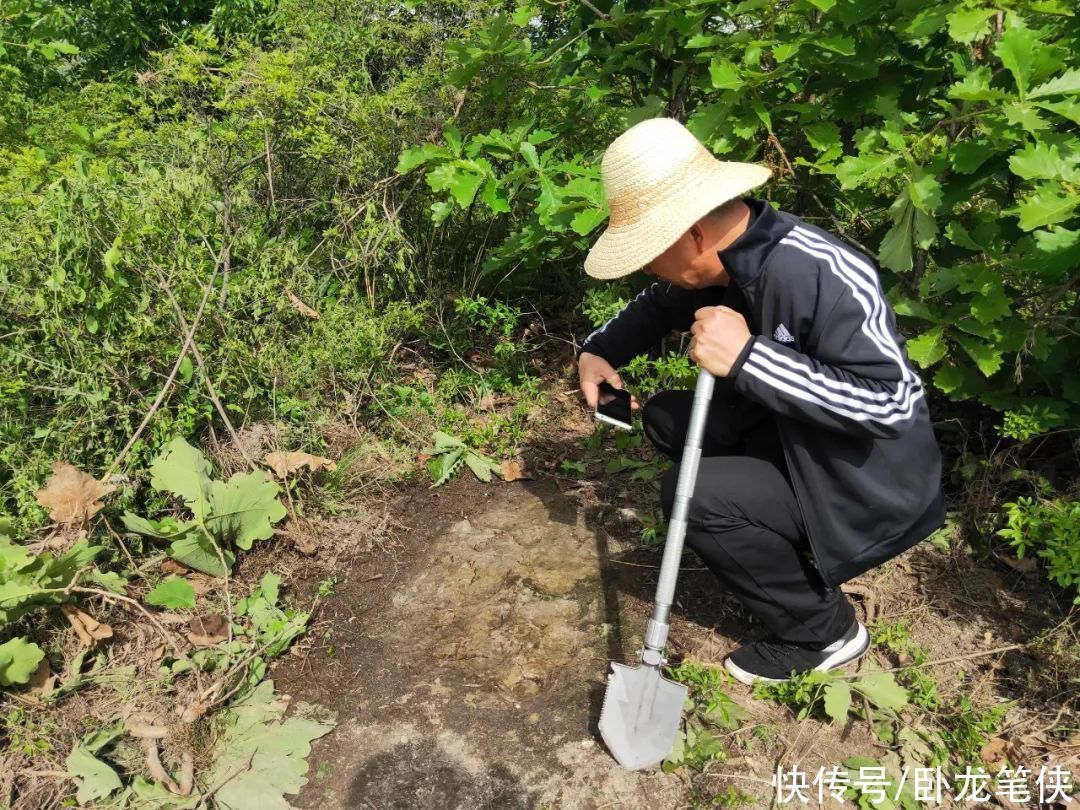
pixel 170 566
pixel 285 463
pixel 157 653
pixel 1025 565
pixel 514 470
pixel 208 631
pixel 486 403
pixel 43 681
pixel 200 583
pixel 997 753
pixel 300 306
pixel 71 495
pixel 89 629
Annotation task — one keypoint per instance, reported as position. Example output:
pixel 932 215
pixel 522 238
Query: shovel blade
pixel 640 716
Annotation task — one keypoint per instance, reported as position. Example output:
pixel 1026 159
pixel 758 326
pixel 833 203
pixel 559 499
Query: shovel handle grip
pixel 656 635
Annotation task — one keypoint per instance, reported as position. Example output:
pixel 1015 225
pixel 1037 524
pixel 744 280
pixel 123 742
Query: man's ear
pixel 697 234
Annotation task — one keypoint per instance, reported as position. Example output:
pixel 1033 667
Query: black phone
pixel 613 406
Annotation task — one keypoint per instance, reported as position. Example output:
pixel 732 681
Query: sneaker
pixel 773 660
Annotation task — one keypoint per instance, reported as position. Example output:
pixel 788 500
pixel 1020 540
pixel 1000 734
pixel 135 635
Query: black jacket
pixel 825 357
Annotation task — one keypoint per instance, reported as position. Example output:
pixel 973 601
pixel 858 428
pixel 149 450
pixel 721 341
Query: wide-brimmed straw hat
pixel 659 180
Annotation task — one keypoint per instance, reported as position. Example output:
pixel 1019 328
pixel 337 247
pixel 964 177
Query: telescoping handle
pixel 657 632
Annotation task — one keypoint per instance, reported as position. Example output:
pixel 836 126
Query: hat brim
pixel 622 250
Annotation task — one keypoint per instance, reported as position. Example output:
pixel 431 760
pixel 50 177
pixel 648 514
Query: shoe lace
pixel 779 652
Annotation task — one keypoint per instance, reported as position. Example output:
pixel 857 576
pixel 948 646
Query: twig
pixel 205 373
pixel 184 348
pixel 228 778
pixel 953 659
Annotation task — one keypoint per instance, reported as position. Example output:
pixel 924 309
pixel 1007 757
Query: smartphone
pixel 613 406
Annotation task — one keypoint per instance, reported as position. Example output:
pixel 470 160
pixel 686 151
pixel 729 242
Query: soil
pixel 464 649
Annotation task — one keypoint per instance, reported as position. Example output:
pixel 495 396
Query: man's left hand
pixel 719 336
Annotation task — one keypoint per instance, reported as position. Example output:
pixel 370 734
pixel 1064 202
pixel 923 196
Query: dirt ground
pixel 464 653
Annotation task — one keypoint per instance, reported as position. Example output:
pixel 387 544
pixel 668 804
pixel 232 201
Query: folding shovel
pixel 642 708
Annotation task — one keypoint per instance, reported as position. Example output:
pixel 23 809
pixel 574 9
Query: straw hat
pixel 659 180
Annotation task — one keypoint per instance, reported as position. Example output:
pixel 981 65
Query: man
pixel 818 440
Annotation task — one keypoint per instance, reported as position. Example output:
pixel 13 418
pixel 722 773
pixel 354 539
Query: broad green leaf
pixel 925 190
pixel 928 348
pixel 986 357
pixel 586 220
pixel 992 305
pixel 838 700
pixel 64 47
pixel 96 779
pixel 1039 161
pixel 463 186
pixel 967 156
pixel 185 472
pixel 975 86
pixel 845 46
pixel 174 592
pixel 725 75
pixel 860 170
pixel 949 379
pixel 1065 84
pixel 481 465
pixel 1069 108
pixel 968 24
pixel 244 509
pixel 785 50
pixel 1056 239
pixel 1023 114
pixel 824 136
pixel 528 151
pixel 262 757
pixel 1047 206
pixel 956 233
pixel 881 689
pixel 164 529
pixel 418 156
pixel 1017 49
pixel 186 369
pixel 18 660
pixel 195 550
pixel 823 5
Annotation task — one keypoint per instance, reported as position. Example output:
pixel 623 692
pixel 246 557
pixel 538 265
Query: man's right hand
pixel 593 370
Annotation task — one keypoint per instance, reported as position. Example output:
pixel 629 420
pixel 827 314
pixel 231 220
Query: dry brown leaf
pixel 71 495
pixel 89 629
pixel 170 566
pixel 208 631
pixel 514 470
pixel 300 306
pixel 200 583
pixel 285 463
pixel 43 681
pixel 157 653
pixel 1025 565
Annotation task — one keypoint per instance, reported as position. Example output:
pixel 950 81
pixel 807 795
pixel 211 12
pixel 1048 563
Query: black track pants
pixel 744 520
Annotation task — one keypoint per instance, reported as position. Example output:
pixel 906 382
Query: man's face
pixel 686 263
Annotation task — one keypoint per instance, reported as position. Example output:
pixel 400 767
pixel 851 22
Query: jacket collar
pixel 744 258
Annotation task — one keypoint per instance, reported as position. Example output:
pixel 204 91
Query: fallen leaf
pixel 201 583
pixel 89 629
pixel 157 653
pixel 514 470
pixel 285 463
pixel 71 495
pixel 997 753
pixel 300 306
pixel 1025 565
pixel 208 631
pixel 486 403
pixel 170 566
pixel 43 681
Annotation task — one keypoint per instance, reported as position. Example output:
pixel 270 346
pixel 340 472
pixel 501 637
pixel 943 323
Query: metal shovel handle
pixel 657 632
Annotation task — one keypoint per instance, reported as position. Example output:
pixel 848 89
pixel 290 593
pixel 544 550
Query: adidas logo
pixel 782 335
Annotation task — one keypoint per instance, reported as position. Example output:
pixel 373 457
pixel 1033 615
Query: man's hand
pixel 719 336
pixel 593 370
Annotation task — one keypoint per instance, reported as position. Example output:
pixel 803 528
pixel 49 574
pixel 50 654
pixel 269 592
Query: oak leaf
pixel 71 495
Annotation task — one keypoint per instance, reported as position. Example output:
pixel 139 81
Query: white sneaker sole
pixel 846 654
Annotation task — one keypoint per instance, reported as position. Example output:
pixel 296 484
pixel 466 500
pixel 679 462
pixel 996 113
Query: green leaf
pixel 1069 108
pixel 822 135
pixel 975 86
pixel 418 156
pixel 1047 206
pixel 823 5
pixel 725 74
pixel 244 509
pixel 838 700
pixel 528 151
pixel 195 550
pixel 186 369
pixel 164 529
pixel 968 24
pixel 1065 84
pixel 442 467
pixel 262 757
pixel 993 305
pixel 481 465
pixel 64 47
pixel 956 233
pixel 845 46
pixel 586 220
pixel 174 593
pixel 185 472
pixel 463 186
pixel 925 190
pixel 96 779
pixel 859 170
pixel 18 660
pixel 881 689
pixel 1041 161
pixel 967 156
pixel 785 50
pixel 987 358
pixel 1018 50
pixel 928 348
